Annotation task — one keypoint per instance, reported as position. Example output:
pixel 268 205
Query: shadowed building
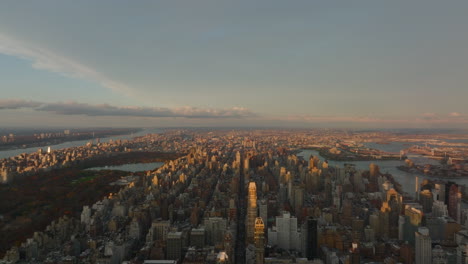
pixel 312 239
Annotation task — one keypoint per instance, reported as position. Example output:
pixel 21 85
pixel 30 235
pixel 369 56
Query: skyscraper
pixel 312 239
pixel 454 202
pixel 423 246
pixel 259 241
pixel 285 235
pixel 426 199
pixel 215 228
pixel 251 212
pixel 416 188
pixel 174 245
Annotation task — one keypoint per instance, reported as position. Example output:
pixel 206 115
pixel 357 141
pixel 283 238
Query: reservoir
pixel 131 167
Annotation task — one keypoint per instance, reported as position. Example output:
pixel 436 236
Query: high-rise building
pixel 263 211
pixel 251 212
pixel 439 256
pixel 454 203
pixel 232 210
pixel 374 223
pixel 438 227
pixel 423 246
pixel 439 192
pixel 159 230
pixel 426 199
pixel 285 234
pixel 215 228
pixel 416 187
pixel 197 237
pixel 374 171
pixel 298 199
pixel 439 209
pixel 394 200
pixel 174 245
pixel 259 241
pixel 312 239
pixel 247 163
pixel 135 229
pixel 313 162
pixel 412 221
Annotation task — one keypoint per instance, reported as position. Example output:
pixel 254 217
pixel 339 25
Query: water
pixel 131 167
pixel 407 180
pixel 77 143
pixel 393 147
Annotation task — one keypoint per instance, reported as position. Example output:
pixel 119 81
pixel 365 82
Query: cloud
pixel 16 104
pixel 74 108
pixel 44 59
pixel 455 114
pixel 339 119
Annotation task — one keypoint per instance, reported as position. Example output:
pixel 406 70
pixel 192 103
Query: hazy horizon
pixel 359 65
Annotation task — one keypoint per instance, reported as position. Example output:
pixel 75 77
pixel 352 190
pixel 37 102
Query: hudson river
pixel 77 143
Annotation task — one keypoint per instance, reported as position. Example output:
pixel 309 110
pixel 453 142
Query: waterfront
pixel 77 143
pixel 393 147
pixel 406 179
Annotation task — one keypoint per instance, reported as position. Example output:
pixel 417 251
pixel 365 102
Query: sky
pixel 356 64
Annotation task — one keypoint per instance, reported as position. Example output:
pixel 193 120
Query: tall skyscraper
pixel 416 188
pixel 426 199
pixel 259 241
pixel 312 239
pixel 454 202
pixel 251 212
pixel 423 246
pixel 394 200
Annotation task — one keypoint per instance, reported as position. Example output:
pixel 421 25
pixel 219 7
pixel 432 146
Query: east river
pixel 77 143
pixel 407 180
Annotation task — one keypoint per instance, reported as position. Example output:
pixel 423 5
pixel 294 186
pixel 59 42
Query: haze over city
pixel 359 64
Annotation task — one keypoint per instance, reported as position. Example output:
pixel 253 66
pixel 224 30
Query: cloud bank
pixel 74 108
pixel 235 113
pixel 16 104
pixel 44 59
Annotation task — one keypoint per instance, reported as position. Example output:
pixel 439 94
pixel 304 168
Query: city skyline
pixel 361 65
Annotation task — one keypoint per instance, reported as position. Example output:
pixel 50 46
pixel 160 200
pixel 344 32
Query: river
pixel 407 180
pixel 77 143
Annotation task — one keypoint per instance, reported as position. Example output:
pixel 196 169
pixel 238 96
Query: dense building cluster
pixel 247 197
pixel 25 164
